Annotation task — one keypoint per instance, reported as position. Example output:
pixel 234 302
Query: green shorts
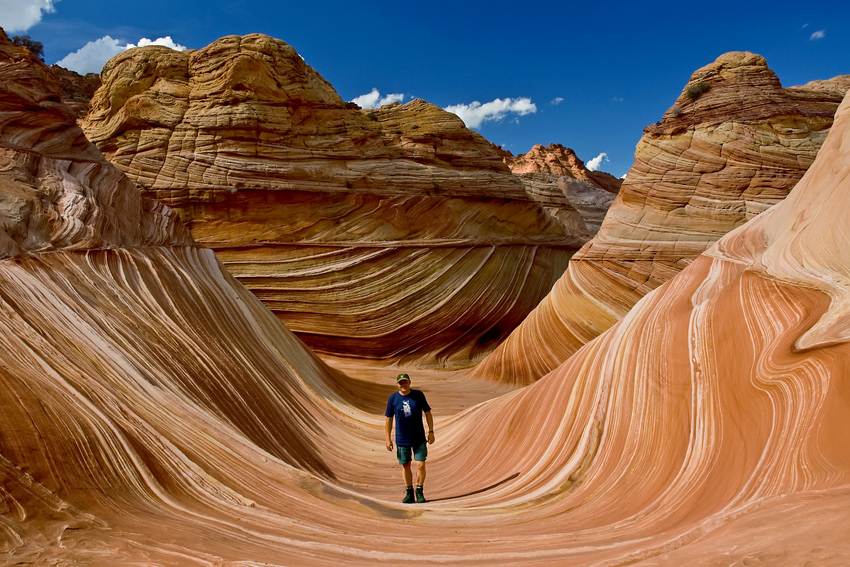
pixel 403 452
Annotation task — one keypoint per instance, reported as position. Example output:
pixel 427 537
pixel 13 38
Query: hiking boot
pixel 420 496
pixel 409 498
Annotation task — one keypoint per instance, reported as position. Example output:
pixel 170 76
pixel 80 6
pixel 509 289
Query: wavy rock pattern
pixel 734 144
pixel 155 413
pixel 379 234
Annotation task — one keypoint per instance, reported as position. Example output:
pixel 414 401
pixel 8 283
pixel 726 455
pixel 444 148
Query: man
pixel 407 406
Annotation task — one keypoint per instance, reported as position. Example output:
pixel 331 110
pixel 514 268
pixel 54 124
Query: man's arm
pixel 430 421
pixel 389 430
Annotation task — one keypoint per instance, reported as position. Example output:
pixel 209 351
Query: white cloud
pixel 375 100
pixel 21 15
pixel 594 164
pixel 820 34
pixel 558 100
pixel 92 56
pixel 164 41
pixel 475 114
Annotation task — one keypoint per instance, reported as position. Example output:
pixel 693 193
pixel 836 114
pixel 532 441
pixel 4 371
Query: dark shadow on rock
pixel 474 492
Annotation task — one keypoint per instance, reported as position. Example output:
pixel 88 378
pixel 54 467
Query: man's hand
pixel 389 445
pixel 430 437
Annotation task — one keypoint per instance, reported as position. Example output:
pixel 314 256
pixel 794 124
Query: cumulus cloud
pixel 596 162
pixel 475 114
pixel 91 57
pixel 820 34
pixel 557 100
pixel 21 15
pixel 375 100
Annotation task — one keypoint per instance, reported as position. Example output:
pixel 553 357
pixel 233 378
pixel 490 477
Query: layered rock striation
pixel 135 370
pixel 733 145
pixel 718 401
pixel 390 233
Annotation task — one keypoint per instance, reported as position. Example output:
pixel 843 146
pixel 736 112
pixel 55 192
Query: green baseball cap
pixel 402 377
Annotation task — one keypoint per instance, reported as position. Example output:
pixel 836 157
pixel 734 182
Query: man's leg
pixel 404 455
pixel 420 453
pixel 420 473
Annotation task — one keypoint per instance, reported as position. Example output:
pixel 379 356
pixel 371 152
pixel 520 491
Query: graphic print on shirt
pixel 406 408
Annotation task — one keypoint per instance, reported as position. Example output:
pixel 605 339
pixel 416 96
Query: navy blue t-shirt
pixel 407 411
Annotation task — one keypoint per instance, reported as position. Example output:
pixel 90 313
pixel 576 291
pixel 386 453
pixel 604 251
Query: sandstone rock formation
pixel 130 360
pixel 392 233
pixel 734 144
pixel 154 413
pixel 555 177
pixel 555 159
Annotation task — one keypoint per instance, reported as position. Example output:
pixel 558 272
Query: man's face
pixel 404 386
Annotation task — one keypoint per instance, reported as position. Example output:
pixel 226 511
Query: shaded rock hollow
pixel 395 233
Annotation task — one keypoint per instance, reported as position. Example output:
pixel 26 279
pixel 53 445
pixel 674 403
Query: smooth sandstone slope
pixel 394 233
pixel 709 424
pixel 734 144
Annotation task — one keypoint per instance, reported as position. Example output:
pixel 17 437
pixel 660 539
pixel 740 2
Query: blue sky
pixel 586 75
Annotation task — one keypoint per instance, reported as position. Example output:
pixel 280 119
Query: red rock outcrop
pixel 734 144
pixel 555 159
pixel 378 234
pixel 59 191
pixel 556 178
pixel 130 360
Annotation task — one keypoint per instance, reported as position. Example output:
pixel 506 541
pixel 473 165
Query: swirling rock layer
pixel 382 234
pixel 734 144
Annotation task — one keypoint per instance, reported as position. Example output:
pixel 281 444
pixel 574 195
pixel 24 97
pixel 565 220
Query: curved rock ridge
pixel 371 233
pixel 718 401
pixel 58 190
pixel 733 145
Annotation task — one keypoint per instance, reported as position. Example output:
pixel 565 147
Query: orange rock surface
pixel 155 413
pixel 376 234
pixel 734 144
